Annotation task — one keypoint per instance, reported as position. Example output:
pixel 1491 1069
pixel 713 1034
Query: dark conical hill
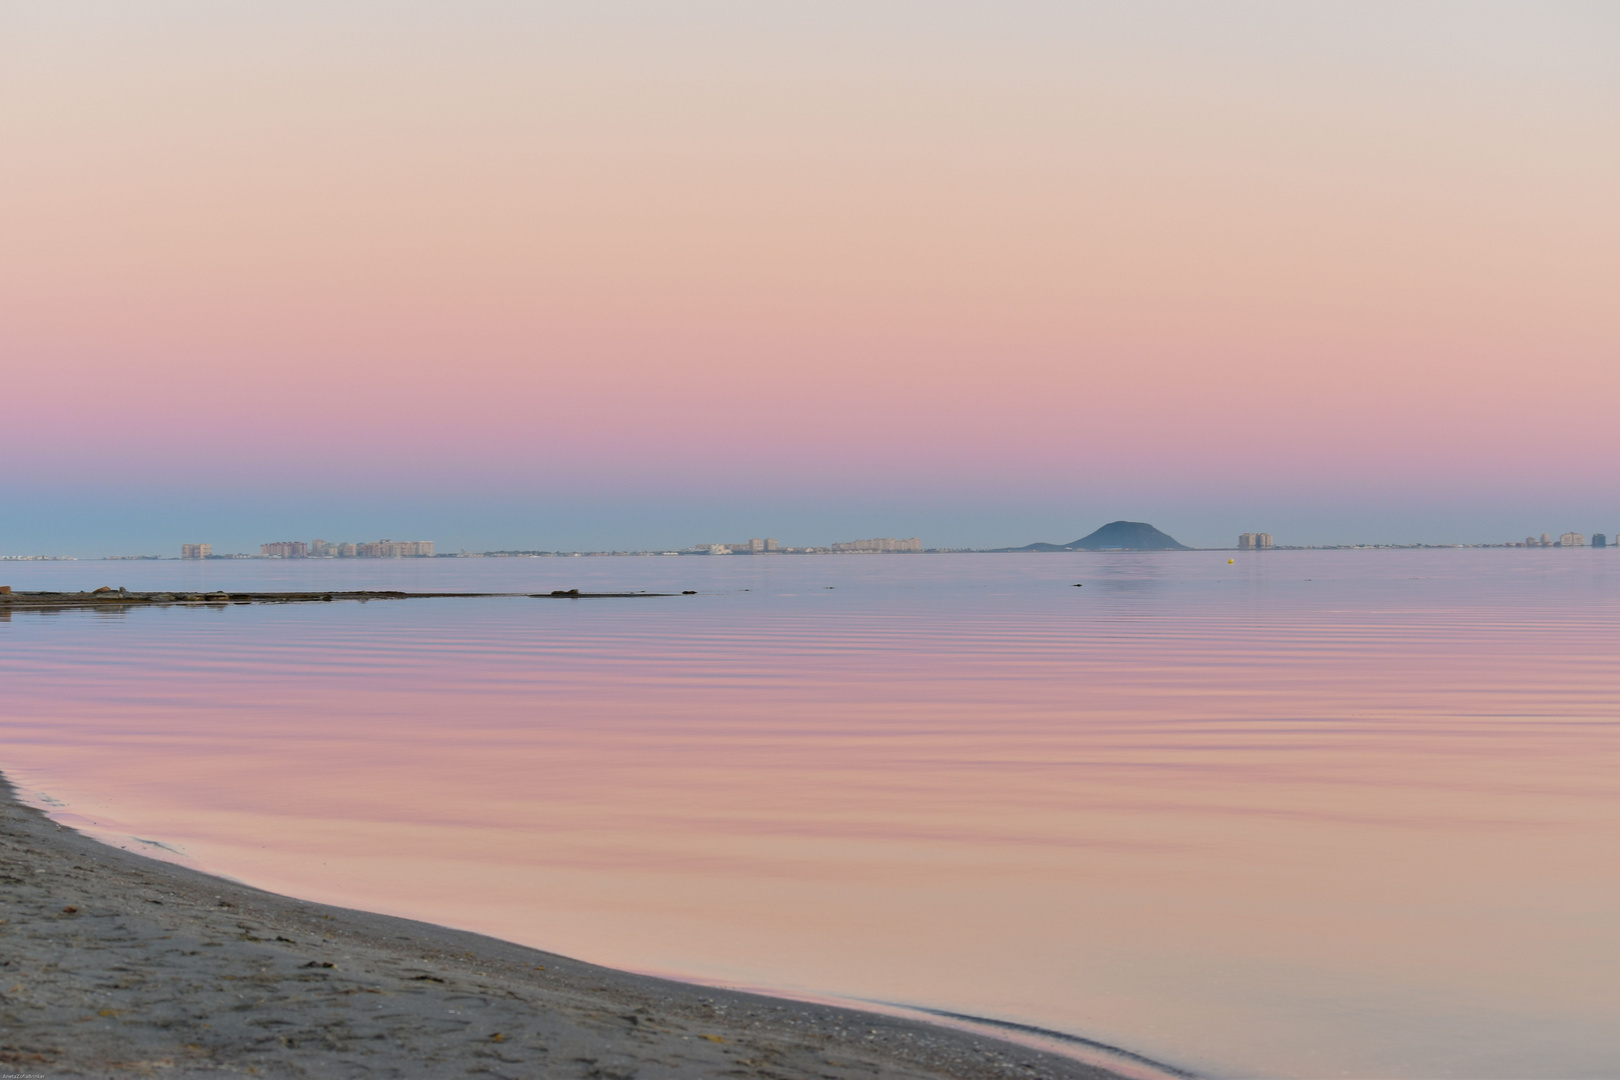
pixel 1128 536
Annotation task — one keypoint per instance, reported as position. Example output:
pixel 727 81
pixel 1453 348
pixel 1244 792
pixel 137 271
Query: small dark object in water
pixel 564 592
pixel 1079 585
pixel 688 592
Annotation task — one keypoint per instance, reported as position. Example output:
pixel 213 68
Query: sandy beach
pixel 118 965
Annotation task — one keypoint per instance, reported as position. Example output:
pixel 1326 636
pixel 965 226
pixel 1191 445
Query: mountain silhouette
pixel 1117 536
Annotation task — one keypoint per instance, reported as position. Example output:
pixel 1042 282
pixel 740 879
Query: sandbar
pixel 109 599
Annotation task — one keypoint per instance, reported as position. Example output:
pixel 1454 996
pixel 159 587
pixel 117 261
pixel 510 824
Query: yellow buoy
pixel 1229 562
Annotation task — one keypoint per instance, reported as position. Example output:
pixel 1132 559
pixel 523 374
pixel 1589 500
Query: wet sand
pixel 112 964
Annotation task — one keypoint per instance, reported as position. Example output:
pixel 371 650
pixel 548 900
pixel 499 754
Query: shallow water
pixel 1306 814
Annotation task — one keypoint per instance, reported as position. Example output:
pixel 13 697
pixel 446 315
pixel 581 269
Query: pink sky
pixel 1146 255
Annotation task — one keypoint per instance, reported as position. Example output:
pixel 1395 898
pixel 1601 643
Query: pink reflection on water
pixel 1258 829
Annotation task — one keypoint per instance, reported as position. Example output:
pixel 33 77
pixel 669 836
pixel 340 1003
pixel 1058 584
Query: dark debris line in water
pixel 120 598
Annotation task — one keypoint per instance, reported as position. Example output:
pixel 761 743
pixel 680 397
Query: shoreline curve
pixel 119 964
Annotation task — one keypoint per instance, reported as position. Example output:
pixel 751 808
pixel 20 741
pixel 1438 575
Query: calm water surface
pixel 1307 814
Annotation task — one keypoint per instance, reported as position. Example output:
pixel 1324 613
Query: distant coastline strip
pixel 109 598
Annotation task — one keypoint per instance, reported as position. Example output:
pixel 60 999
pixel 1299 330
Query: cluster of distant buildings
pixel 770 546
pixel 423 549
pixel 882 543
pixel 1263 542
pixel 323 549
pixel 1569 539
pixel 748 547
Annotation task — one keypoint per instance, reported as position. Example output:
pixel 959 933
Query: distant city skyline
pixel 325 549
pixel 319 549
pixel 124 522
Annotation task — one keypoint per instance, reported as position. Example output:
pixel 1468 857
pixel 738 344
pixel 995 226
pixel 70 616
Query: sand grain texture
pixel 116 965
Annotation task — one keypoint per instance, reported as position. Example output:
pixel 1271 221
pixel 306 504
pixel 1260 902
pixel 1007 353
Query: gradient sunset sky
pixel 605 275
